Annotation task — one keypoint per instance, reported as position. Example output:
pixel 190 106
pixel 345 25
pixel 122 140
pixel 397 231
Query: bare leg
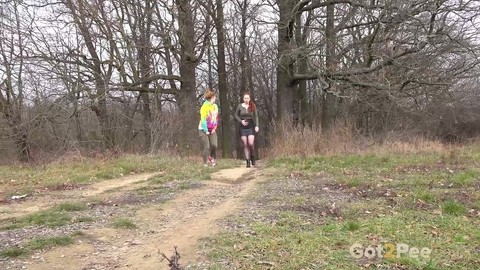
pixel 251 146
pixel 246 151
pixel 251 143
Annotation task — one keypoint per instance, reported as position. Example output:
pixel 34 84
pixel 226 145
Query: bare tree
pixel 222 81
pixel 361 47
pixel 12 63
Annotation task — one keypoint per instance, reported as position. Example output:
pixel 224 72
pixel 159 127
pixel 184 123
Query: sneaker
pixel 211 161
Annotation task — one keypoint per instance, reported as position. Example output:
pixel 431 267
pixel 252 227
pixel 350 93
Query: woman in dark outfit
pixel 246 114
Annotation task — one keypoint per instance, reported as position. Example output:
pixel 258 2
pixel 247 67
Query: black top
pixel 242 113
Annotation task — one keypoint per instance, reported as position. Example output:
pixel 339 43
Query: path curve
pixel 181 222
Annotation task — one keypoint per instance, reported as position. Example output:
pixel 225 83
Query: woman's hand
pixel 244 123
pixel 256 129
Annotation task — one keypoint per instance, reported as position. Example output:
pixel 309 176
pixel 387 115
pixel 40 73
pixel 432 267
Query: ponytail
pixel 251 106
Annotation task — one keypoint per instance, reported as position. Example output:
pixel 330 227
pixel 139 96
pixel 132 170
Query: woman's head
pixel 209 95
pixel 247 99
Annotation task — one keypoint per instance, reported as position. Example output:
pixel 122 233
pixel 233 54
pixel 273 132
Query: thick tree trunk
pixel 100 109
pixel 329 99
pixel 186 99
pixel 285 67
pixel 144 55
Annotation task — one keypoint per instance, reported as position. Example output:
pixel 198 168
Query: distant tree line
pixel 128 75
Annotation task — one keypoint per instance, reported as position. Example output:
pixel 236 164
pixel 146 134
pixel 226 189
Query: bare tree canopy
pixel 128 75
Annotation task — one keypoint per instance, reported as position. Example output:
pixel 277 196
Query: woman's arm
pixel 203 118
pixel 237 114
pixel 255 117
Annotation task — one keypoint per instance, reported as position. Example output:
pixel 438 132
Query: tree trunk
pixel 222 85
pixel 144 55
pixel 147 121
pixel 243 72
pixel 285 67
pixel 187 101
pixel 303 106
pixel 329 100
pixel 130 115
pixel 14 121
pixel 99 100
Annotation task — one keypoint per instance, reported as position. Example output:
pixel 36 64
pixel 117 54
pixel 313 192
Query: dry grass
pixel 414 145
pixel 288 140
pixel 342 139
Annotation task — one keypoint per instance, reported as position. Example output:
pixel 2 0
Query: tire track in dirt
pixel 48 199
pixel 190 217
pixel 181 222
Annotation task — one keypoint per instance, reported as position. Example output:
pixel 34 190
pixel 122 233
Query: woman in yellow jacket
pixel 207 128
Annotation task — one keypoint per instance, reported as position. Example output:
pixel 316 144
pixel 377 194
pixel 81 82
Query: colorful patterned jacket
pixel 208 117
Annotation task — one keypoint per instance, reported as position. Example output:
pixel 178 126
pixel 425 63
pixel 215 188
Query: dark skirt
pixel 246 132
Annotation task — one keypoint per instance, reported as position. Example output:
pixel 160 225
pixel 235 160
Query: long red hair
pixel 251 104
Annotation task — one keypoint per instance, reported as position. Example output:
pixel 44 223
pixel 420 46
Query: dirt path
pixel 189 217
pixel 47 199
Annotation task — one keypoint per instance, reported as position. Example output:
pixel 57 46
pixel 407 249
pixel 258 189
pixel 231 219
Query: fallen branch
pixel 173 260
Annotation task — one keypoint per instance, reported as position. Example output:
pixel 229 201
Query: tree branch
pixel 154 78
pixel 159 90
pixel 341 74
pixel 317 4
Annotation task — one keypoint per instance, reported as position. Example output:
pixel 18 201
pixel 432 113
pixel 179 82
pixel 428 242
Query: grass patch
pixel 40 243
pixel 47 242
pixel 421 199
pixel 354 181
pixel 13 252
pixel 70 173
pixel 425 195
pixel 56 216
pixel 123 223
pixel 454 208
pixel 50 218
pixel 77 233
pixel 466 178
pixel 352 226
pixel 15 178
pixel 70 207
